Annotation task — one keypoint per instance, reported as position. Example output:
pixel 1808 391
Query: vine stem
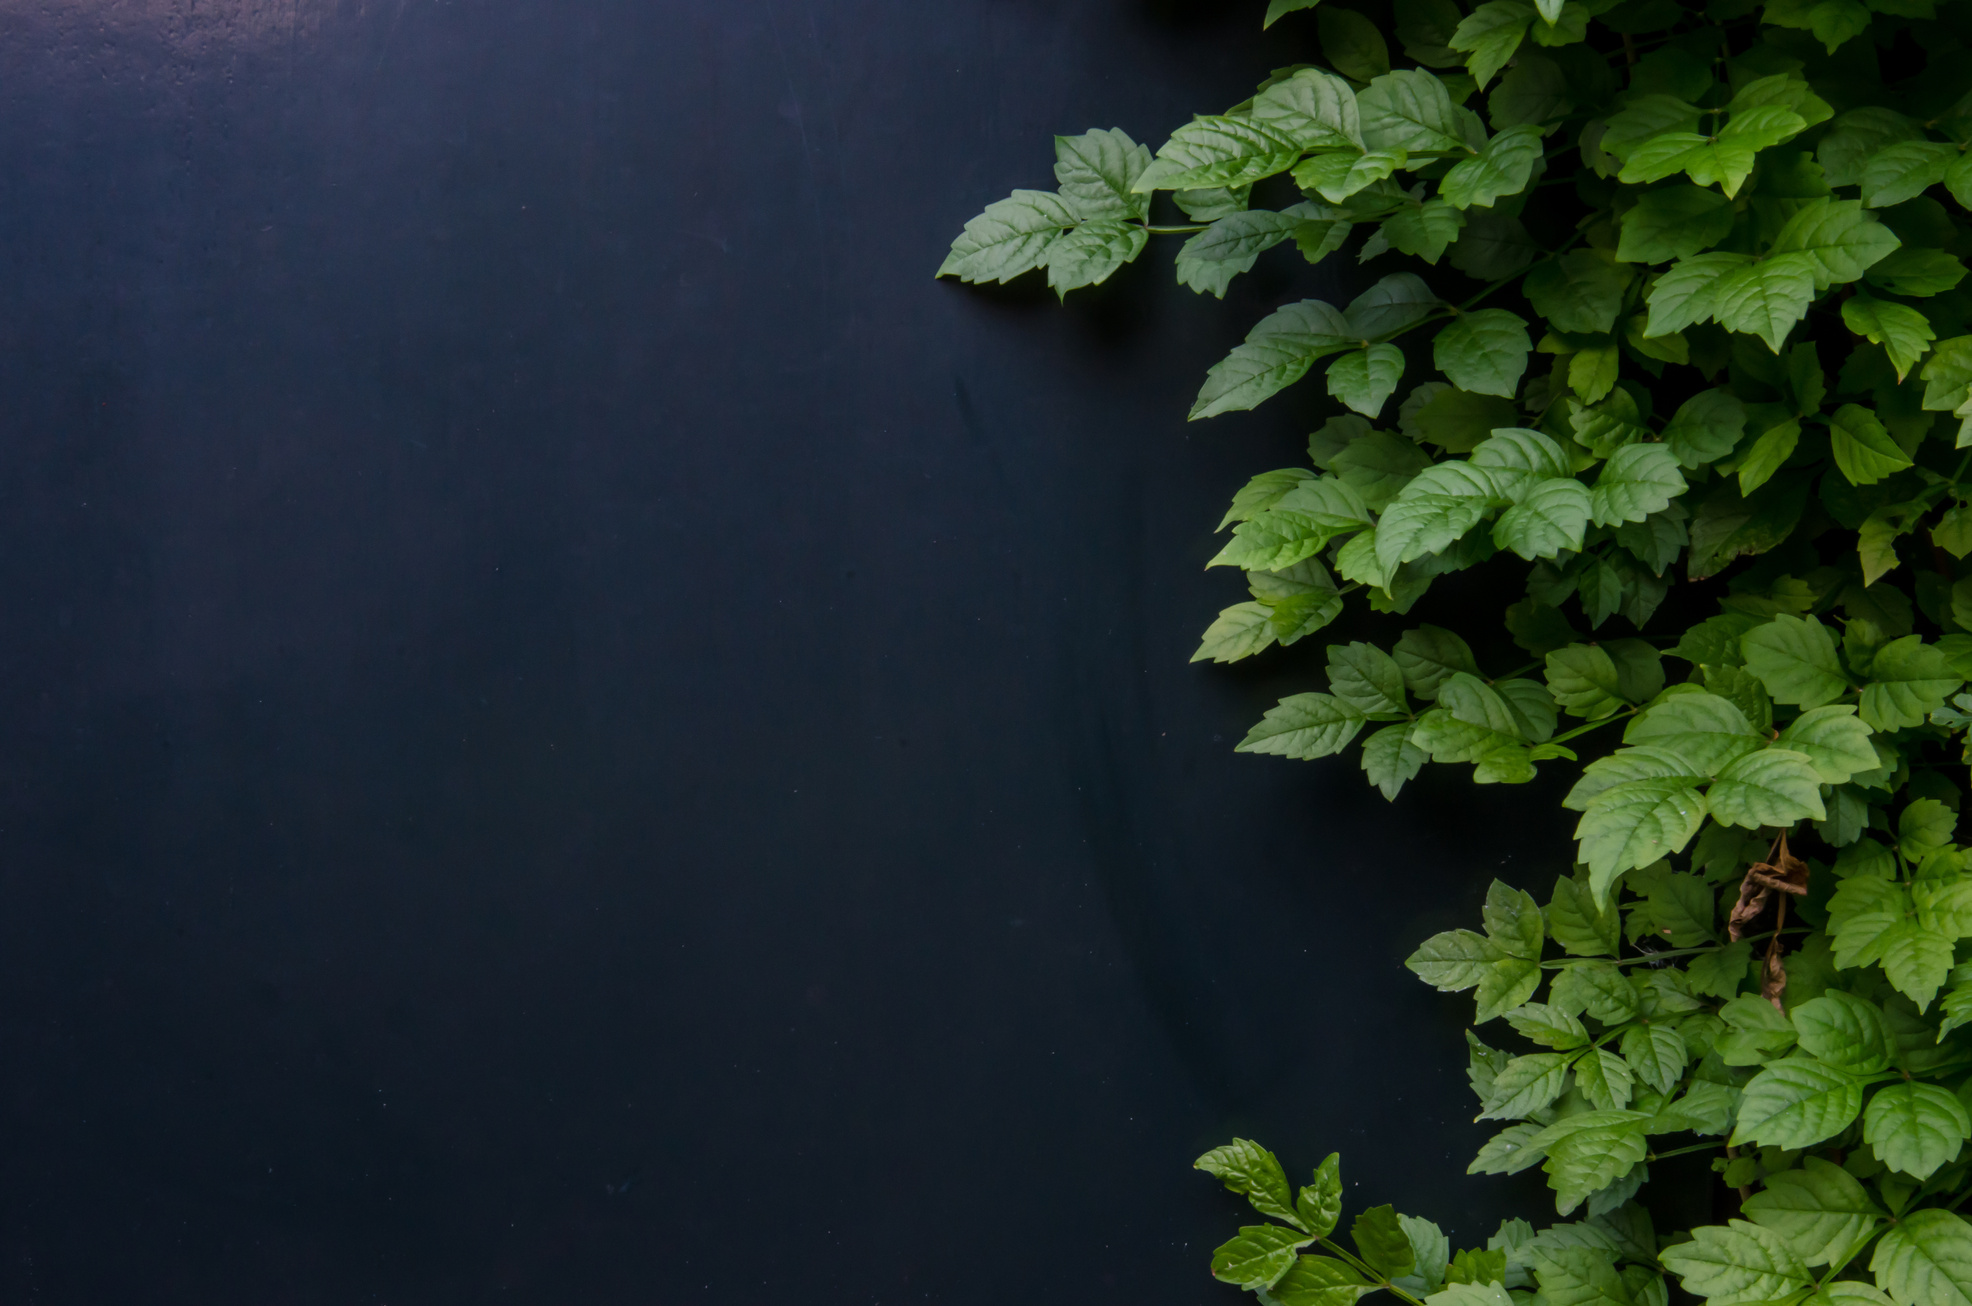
pixel 1363 1269
pixel 1680 1151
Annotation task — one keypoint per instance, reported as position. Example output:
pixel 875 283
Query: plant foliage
pixel 1672 301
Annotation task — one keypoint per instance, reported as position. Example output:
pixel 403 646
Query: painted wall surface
pixel 577 729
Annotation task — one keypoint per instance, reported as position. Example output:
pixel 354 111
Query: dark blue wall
pixel 543 652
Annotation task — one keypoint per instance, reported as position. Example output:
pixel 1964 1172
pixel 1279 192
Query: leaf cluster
pixel 1665 341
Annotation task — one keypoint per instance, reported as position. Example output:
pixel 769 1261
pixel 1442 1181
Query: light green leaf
pixel 1210 260
pixel 1096 171
pixel 1247 1168
pixel 1304 726
pixel 1767 298
pixel 1737 1262
pixel 1702 731
pixel 1409 110
pixel 1366 678
pixel 1455 960
pixel 1915 1128
pixel 1219 151
pixel 1656 1054
pixel 1484 351
pixel 1638 479
pixel 1313 108
pixel 1908 681
pixel 1604 1079
pixel 1396 303
pixel 1429 656
pixel 1364 378
pixel 1770 787
pixel 1336 176
pixel 1012 236
pixel 1634 824
pixel 1526 1085
pixel 1578 924
pixel 1916 960
pixel 1586 1152
pixel 1794 657
pixel 1820 1210
pixel 1504 167
pixel 1088 255
pixel 1840 239
pixel 1686 294
pixel 1903 332
pixel 1926 1260
pixel 1390 759
pixel 1583 680
pixel 1834 739
pixel 1864 451
pixel 1904 171
pixel 1674 222
pixel 1259 1256
pixel 1797 1102
pixel 1549 1026
pixel 1277 352
pixel 1514 921
pixel 1241 631
pixel 1262 493
pixel 1490 35
pixel 1845 1032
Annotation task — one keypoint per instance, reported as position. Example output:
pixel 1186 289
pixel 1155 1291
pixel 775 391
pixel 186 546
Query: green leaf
pixel 1797 1102
pixel 1088 255
pixel 1839 238
pixel 1551 518
pixel 1908 681
pixel 1686 294
pixel 1012 236
pixel 1578 1275
pixel 1514 921
pixel 1320 1204
pixel 1259 1256
pixel 1794 657
pixel 1277 352
pixel 1096 172
pixel 1916 1128
pixel 1634 824
pixel 1819 1210
pixel 1455 960
pixel 1364 378
pixel 1352 44
pixel 1390 759
pixel 1904 171
pixel 1584 681
pixel 1423 229
pixel 1428 656
pixel 1926 1260
pixel 1656 1054
pixel 1304 726
pixel 1526 1085
pixel 1262 493
pixel 1915 960
pixel 1484 352
pixel 1246 1167
pixel 1277 9
pixel 1598 988
pixel 1604 1080
pixel 1861 916
pixel 1586 1152
pixel 1680 909
pixel 1844 1032
pixel 1367 678
pixel 1767 298
pixel 1919 273
pixel 1864 451
pixel 1210 260
pixel 1396 303
pixel 1579 291
pixel 1319 1280
pixel 1702 731
pixel 1470 1294
pixel 1737 1262
pixel 1241 631
pixel 1578 924
pixel 1381 1241
pixel 1504 167
pixel 1924 827
pixel 1673 222
pixel 1706 427
pixel 1834 740
pixel 1638 479
pixel 1490 35
pixel 1337 176
pixel 1409 110
pixel 1769 452
pixel 1549 1026
pixel 1770 787
pixel 1219 151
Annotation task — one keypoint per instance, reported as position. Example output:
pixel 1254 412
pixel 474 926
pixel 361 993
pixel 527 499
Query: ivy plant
pixel 1667 344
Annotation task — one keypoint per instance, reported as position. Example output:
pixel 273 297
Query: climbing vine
pixel 1673 303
